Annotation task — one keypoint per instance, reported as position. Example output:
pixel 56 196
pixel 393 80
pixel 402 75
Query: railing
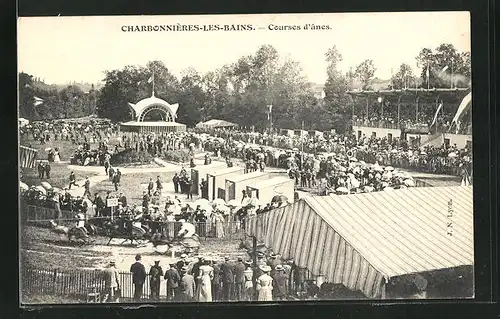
pixel 439 165
pixel 79 283
pixel 223 230
pixel 376 124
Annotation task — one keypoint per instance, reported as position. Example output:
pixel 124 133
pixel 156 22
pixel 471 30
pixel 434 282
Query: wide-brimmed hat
pixel 112 262
pixel 279 267
pixel 184 269
pixel 260 254
pixel 183 256
pixel 265 268
pixel 248 262
pixel 273 255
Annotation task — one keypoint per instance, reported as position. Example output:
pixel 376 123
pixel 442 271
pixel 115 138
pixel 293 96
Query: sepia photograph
pixel 245 158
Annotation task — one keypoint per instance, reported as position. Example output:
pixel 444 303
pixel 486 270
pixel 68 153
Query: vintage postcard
pixel 225 158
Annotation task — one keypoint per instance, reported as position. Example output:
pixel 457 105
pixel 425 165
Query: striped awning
pixel 364 240
pixel 27 157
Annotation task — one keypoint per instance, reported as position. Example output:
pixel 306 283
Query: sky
pixel 65 49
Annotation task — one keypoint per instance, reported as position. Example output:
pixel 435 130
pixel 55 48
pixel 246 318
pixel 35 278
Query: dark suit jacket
pixel 172 277
pixel 280 283
pixel 138 273
pixel 216 280
pixel 123 200
pixel 226 270
pixel 239 276
pixel 195 271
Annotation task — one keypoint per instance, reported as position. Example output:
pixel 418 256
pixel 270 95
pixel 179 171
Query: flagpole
pixel 451 75
pixel 302 147
pixel 428 76
pixel 153 82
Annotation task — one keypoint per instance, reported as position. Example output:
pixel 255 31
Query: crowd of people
pixel 209 278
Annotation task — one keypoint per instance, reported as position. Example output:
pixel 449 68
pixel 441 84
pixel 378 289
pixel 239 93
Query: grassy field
pixel 48 299
pixel 130 185
pixel 42 248
pixel 59 175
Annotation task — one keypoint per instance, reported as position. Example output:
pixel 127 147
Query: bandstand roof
pixel 140 106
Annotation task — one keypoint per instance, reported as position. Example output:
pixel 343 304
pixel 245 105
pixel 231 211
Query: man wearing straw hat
pixel 112 283
pixel 188 286
pixel 248 288
pixel 281 283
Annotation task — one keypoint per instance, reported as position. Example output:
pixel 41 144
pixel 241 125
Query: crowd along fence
pixel 89 285
pixel 223 230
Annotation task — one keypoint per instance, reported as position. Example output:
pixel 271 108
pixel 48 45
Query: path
pixel 78 191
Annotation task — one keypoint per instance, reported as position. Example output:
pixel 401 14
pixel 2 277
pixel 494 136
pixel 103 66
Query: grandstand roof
pixel 409 95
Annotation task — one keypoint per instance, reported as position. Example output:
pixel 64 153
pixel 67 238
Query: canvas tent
pixel 216 124
pixel 364 240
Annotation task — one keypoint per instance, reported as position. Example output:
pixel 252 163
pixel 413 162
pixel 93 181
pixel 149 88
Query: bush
pixel 131 156
pixel 178 156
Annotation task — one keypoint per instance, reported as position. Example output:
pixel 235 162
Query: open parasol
pixel 233 203
pixel 41 189
pixel 279 199
pixel 342 190
pixel 219 201
pixel 23 186
pixel 368 189
pixel 46 185
pixel 409 182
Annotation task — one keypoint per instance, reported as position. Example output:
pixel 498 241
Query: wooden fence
pixel 77 283
pixel 80 284
pixel 227 230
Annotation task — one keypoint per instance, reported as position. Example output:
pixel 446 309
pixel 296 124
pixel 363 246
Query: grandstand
pixel 410 114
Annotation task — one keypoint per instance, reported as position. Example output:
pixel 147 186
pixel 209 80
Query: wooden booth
pixel 200 172
pixel 266 190
pixel 236 184
pixel 217 181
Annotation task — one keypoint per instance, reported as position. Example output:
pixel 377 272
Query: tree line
pixel 241 91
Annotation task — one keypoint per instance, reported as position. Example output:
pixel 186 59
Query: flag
pixel 38 101
pixel 27 157
pixel 436 115
pixel 443 69
pixel 462 108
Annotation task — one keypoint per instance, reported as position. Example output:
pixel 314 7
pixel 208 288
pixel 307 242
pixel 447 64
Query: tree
pixel 337 101
pixel 364 73
pixel 130 85
pixel 191 98
pixel 26 97
pixel 444 64
pixel 403 78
